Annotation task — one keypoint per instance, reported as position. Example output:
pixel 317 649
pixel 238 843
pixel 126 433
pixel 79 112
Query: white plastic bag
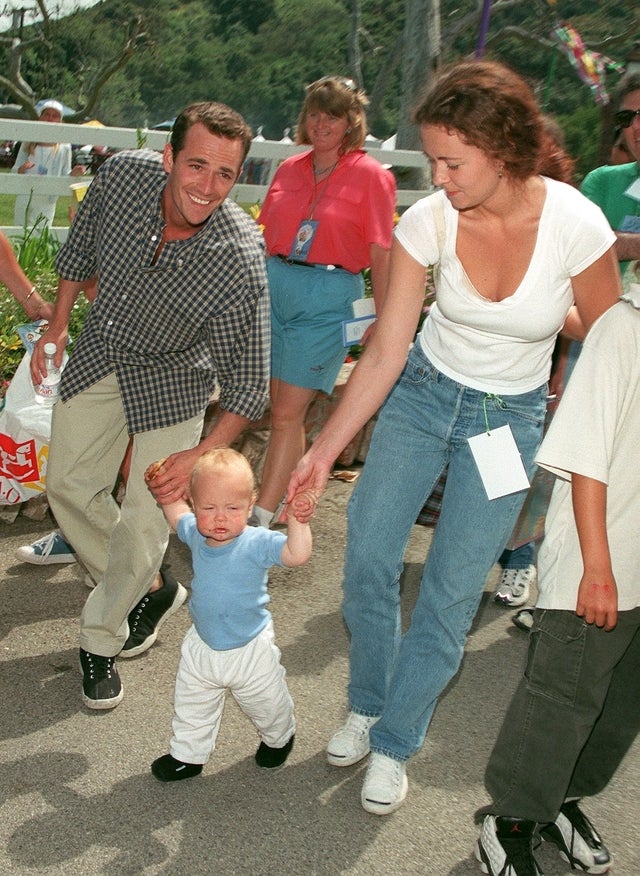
pixel 25 431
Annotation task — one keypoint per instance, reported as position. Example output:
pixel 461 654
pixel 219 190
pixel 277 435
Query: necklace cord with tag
pixel 316 183
pixel 489 396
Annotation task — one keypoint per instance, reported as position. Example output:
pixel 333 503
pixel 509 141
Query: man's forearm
pixel 68 291
pixel 225 431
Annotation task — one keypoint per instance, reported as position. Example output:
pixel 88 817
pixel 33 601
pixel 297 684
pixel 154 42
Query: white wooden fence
pixel 261 165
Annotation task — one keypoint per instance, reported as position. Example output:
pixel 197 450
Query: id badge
pixel 353 329
pixel 633 191
pixel 303 240
pixel 499 462
pixel 364 315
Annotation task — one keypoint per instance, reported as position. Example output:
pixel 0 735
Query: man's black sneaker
pixel 168 769
pixel 505 847
pixel 150 613
pixel 578 840
pixel 273 757
pixel 101 685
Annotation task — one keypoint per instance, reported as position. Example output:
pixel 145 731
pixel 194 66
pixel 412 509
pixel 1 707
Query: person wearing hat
pixel 42 159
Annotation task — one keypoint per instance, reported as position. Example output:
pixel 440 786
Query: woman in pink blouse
pixel 327 216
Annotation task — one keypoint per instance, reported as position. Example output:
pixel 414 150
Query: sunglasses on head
pixel 625 117
pixel 349 84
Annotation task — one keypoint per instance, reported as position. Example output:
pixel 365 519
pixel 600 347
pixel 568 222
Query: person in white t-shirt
pixel 515 251
pixel 577 708
pixel 42 159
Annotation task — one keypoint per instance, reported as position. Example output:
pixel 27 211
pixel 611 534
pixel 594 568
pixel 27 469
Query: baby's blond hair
pixel 223 459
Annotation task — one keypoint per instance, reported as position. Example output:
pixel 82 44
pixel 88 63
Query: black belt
pixel 289 261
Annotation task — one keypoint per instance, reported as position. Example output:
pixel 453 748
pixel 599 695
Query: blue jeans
pixel 518 558
pixel 424 426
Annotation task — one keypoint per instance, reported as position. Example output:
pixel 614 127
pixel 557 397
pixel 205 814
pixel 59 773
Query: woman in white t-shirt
pixel 42 159
pixel 515 251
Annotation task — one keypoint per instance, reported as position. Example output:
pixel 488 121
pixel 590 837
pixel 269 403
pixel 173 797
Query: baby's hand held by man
pixel 154 470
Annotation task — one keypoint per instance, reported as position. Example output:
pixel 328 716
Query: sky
pixel 57 8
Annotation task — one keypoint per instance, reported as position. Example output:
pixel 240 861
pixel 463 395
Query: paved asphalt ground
pixel 77 795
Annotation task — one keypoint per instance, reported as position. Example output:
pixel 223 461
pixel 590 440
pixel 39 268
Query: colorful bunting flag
pixel 590 66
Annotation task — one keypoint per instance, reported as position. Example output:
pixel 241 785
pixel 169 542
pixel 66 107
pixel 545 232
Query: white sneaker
pixel 49 549
pixel 514 587
pixel 385 785
pixel 351 742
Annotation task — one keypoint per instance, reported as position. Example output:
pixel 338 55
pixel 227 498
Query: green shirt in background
pixel 605 186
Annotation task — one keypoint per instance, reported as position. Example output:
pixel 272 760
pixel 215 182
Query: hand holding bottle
pixel 48 389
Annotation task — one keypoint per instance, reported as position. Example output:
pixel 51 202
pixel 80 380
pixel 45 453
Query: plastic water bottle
pixel 47 392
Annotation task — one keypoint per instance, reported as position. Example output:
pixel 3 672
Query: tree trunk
pixel 18 90
pixel 355 55
pixel 421 55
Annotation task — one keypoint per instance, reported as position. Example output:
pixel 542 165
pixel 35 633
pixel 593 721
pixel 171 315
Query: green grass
pixel 12 315
pixel 7 203
pixel 36 256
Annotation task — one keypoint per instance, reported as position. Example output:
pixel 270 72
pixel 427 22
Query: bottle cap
pixel 50 349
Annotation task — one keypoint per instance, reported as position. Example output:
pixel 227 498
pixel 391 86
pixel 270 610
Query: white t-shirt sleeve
pixel 586 232
pixel 417 232
pixel 582 433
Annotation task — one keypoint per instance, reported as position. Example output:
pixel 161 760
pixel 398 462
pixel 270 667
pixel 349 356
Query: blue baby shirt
pixel 229 587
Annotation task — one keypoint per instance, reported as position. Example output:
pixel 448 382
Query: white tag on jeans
pixel 499 462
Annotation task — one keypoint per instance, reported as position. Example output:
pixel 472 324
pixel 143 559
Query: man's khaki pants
pixel 121 546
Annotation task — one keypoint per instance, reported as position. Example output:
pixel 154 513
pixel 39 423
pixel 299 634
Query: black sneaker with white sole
pixel 101 685
pixel 577 840
pixel 151 612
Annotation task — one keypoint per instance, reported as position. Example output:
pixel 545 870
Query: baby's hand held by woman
pixel 303 506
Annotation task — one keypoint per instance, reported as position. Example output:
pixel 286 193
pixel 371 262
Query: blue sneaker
pixel 47 550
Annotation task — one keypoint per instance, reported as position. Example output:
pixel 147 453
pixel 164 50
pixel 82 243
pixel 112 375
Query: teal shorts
pixel 308 306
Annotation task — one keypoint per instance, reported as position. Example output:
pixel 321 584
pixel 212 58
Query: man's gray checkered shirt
pixel 170 330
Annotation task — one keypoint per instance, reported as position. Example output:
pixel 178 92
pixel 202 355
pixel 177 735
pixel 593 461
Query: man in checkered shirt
pixel 182 306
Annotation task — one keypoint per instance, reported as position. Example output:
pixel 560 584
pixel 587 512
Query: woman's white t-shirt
pixel 504 346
